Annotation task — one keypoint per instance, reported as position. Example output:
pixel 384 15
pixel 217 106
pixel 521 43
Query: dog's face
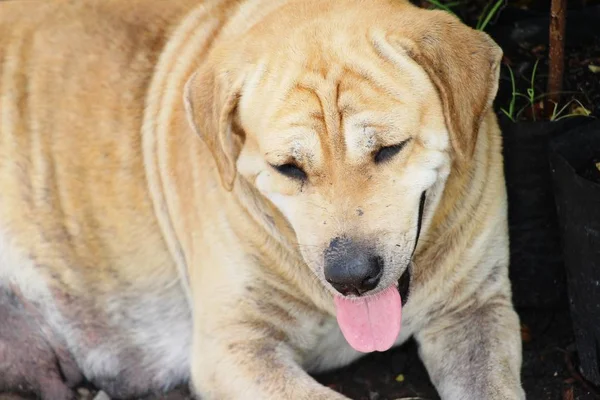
pixel 349 123
pixel 346 150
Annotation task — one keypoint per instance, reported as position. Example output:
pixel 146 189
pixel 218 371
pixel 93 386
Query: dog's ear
pixel 463 64
pixel 211 98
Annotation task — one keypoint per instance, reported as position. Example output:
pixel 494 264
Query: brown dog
pixel 348 157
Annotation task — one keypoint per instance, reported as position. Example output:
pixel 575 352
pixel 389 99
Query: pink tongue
pixel 370 323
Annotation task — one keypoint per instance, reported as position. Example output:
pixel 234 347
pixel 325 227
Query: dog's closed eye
pixel 388 152
pixel 291 171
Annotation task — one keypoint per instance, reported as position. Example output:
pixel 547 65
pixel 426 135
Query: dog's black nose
pixel 351 268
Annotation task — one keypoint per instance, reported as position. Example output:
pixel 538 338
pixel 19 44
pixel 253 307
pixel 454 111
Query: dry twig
pixel 558 17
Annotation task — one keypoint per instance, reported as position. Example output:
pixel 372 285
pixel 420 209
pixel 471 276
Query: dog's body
pixel 134 255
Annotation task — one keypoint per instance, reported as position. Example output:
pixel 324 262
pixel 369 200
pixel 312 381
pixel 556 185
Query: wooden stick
pixel 558 17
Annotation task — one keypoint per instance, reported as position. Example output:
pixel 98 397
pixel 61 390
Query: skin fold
pixel 174 177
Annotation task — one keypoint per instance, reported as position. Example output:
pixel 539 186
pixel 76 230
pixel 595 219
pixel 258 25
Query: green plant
pixel 490 10
pixel 444 6
pixel 513 100
pixel 556 116
pixel 532 99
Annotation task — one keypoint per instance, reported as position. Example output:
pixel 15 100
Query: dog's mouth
pixel 372 323
pixel 404 285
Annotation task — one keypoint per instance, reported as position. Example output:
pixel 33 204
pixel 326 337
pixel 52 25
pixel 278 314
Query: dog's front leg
pixel 243 365
pixel 475 354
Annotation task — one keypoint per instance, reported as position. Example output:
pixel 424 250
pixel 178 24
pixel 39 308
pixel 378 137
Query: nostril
pixel 377 262
pixel 374 275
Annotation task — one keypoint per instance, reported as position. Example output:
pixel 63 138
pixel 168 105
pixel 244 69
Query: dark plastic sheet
pixel 536 266
pixel 578 207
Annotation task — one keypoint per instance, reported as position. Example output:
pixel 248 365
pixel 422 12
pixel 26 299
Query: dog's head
pixel 348 116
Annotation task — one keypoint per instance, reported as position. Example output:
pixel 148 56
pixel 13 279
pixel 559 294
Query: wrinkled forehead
pixel 332 97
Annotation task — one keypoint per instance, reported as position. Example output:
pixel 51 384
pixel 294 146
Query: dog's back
pixel 74 201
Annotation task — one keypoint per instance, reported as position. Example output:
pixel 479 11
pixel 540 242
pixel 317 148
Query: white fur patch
pixel 16 269
pixel 166 336
pixel 331 350
pixel 435 139
pixel 100 361
pixel 281 201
